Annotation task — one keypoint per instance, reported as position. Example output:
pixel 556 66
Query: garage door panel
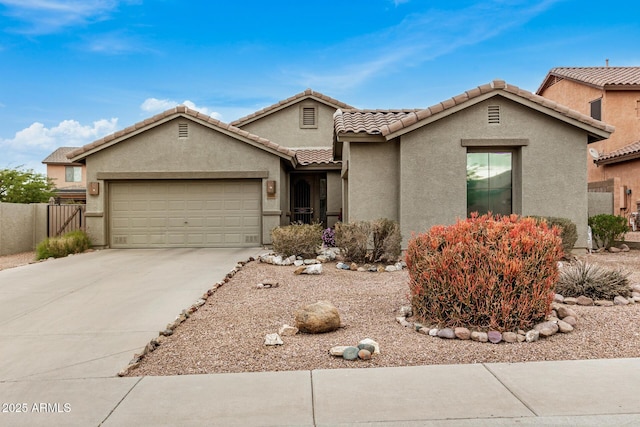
pixel 185 213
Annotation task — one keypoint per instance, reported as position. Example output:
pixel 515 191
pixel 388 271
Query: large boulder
pixel 318 318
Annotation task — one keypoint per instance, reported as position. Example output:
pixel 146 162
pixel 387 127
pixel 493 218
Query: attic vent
pixel 494 114
pixel 308 117
pixel 183 130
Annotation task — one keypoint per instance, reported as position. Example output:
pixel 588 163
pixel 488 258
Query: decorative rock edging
pixel 306 266
pixel 562 319
pixel 183 316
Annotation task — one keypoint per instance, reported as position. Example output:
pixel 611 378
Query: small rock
pixel 372 269
pixel 403 321
pixel 269 284
pixel 521 337
pixel 424 331
pixel 364 354
pixel 310 261
pixel 532 336
pixel 635 287
pixel 546 329
pixel 571 320
pixel 313 269
pixel 558 298
pixel 390 268
pixel 369 347
pixel 564 311
pixel 624 247
pixel 375 345
pixel 494 336
pixel 584 301
pixel 603 303
pixel 620 300
pixel 462 333
pixel 380 269
pixel 510 337
pixel 564 327
pixel 350 353
pixel 342 266
pixel 433 332
pixel 614 250
pixel 273 339
pixel 287 331
pixel 361 269
pixel 338 350
pixel 446 333
pixel 298 262
pixel 299 270
pixel 398 266
pixel 570 300
pixel 353 266
pixel 479 336
pixel 406 311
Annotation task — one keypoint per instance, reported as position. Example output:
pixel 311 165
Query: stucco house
pixel 68 177
pixel 610 94
pixel 182 178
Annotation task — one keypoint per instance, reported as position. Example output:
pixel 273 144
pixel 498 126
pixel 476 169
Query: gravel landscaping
pixel 227 333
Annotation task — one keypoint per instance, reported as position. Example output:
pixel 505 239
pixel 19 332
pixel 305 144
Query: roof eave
pixel 618 159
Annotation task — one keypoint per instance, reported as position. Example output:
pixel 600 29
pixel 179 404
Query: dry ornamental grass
pixel 227 333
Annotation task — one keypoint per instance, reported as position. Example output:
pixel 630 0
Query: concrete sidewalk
pixel 567 393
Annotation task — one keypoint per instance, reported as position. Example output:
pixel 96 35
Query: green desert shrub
pixel 73 242
pixel 485 273
pixel 593 281
pixel 369 241
pixel 297 239
pixel 607 228
pixel 568 231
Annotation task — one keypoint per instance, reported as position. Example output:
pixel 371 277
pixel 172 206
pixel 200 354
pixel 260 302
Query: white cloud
pixel 47 16
pixel 155 105
pixel 31 145
pixel 420 38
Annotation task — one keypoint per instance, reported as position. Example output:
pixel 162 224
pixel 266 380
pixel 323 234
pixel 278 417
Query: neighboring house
pixel 182 178
pixel 69 178
pixel 610 94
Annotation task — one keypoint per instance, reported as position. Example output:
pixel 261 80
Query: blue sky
pixel 73 71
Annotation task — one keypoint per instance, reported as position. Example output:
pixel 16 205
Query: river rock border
pixel 562 319
pixel 180 318
pixel 328 255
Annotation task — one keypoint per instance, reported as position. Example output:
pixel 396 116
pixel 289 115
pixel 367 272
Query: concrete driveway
pixel 86 315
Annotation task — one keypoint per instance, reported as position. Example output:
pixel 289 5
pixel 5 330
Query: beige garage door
pixel 160 214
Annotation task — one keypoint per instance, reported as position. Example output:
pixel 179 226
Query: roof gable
pixel 398 124
pixel 302 96
pixel 171 114
pixel 612 78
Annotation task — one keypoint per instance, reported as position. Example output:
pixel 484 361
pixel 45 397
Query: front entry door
pixel 308 198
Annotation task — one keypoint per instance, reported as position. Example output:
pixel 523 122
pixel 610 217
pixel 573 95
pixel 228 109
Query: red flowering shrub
pixel 485 273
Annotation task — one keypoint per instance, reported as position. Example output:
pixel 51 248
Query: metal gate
pixel 62 219
pixel 302 209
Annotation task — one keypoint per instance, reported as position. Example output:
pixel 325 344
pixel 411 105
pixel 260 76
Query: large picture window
pixel 489 182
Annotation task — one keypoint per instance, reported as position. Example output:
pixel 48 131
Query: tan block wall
pixel 283 127
pixel 22 227
pixel 160 150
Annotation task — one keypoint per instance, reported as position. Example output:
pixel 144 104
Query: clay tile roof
pixel 176 111
pixel 628 152
pixel 600 77
pixel 59 156
pixel 368 121
pixel 289 101
pixel 321 155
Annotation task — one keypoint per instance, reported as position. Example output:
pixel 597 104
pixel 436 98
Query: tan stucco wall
pixel 22 227
pixel 628 176
pixel 334 197
pixel 58 174
pixel 373 181
pixel 283 126
pixel 160 150
pixel 619 108
pixel 432 161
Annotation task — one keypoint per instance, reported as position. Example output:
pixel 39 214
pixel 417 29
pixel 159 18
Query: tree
pixel 24 186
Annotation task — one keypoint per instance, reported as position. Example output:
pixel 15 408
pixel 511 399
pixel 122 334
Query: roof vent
pixel 183 130
pixel 493 112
